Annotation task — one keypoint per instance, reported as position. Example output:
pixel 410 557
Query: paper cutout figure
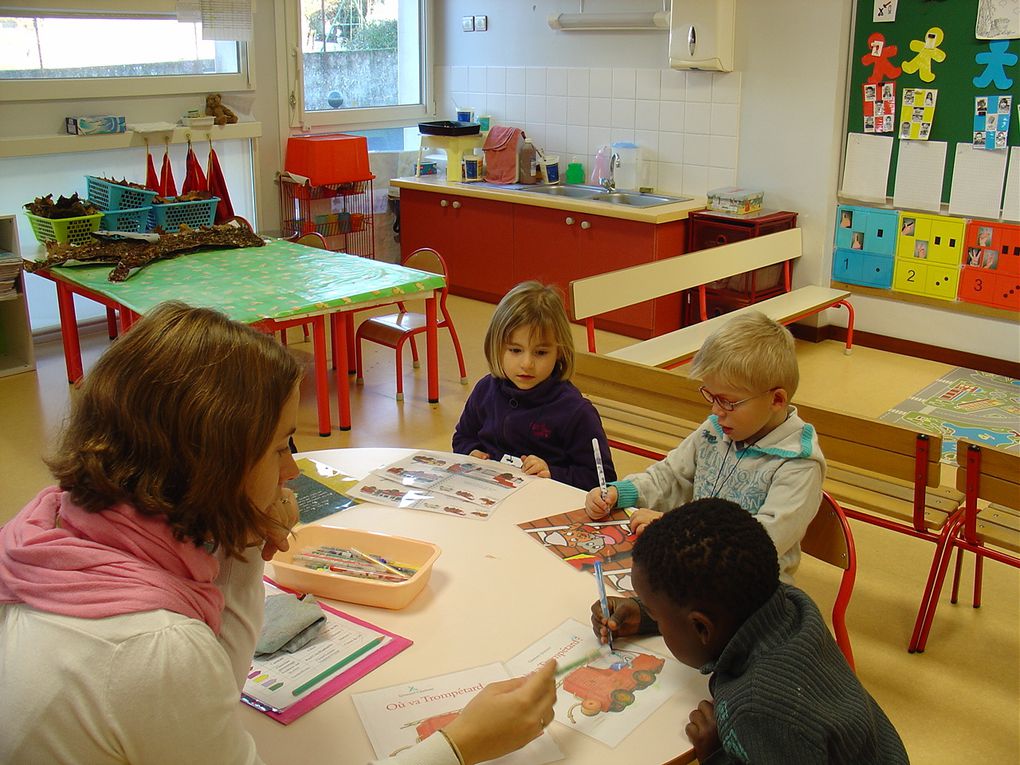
pixel 879 107
pixel 991 121
pixel 995 60
pixel 927 51
pixel 917 113
pixel 879 56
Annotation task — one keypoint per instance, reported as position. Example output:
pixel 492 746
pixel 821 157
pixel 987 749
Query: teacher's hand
pixel 283 515
pixel 505 716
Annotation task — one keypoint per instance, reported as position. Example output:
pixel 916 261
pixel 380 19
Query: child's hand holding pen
pixel 625 619
pixel 598 507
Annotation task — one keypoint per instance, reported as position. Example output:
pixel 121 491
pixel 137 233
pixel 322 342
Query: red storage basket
pixel 328 159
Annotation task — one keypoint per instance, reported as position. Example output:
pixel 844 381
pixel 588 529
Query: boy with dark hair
pixel 707 580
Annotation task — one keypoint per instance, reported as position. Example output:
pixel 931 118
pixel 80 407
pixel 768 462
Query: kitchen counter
pixel 664 213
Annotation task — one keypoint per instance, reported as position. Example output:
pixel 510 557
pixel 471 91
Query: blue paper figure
pixel 996 59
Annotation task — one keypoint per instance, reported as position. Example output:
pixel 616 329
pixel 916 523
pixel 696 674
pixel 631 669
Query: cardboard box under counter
pixel 95 124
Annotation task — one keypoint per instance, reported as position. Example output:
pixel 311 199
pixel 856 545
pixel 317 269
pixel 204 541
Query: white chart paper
pixel 919 173
pixel 977 182
pixel 866 170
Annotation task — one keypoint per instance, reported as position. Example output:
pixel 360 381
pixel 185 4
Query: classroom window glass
pixel 361 61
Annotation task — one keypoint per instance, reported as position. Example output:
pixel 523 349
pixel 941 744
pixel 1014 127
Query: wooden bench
pixel 880 473
pixel 598 294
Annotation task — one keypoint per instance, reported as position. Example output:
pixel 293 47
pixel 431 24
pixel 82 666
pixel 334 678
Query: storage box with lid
pixel 329 158
pixel 734 199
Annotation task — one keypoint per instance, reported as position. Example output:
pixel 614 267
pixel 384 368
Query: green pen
pixel 344 661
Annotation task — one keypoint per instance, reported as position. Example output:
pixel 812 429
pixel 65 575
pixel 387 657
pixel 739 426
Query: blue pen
pixel 602 599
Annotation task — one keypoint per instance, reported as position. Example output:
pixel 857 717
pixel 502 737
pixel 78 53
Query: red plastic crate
pixel 328 159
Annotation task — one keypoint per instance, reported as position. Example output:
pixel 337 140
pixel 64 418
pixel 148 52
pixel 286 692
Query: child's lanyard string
pixel 720 479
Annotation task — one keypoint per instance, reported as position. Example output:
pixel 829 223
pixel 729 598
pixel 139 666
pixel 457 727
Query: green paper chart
pixel 954 114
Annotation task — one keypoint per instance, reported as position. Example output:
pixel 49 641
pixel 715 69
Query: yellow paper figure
pixel 927 51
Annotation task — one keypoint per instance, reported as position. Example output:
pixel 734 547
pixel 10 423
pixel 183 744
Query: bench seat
pixel 676 347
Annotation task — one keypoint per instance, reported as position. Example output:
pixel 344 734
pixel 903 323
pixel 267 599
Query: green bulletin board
pixel 954 112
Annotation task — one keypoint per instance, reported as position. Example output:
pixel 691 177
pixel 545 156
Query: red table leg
pixel 343 382
pixel 111 323
pixel 69 332
pixel 432 348
pixel 321 377
pixel 349 329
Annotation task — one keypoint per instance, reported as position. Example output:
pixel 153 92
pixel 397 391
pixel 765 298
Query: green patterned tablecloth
pixel 278 281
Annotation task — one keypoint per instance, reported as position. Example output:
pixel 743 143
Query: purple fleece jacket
pixel 552 421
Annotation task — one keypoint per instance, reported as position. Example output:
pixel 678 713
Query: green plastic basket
pixel 65 230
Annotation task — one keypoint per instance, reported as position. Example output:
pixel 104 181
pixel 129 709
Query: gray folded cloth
pixel 290 623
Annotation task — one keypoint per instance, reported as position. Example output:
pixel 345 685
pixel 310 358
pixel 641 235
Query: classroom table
pixel 492 593
pixel 273 287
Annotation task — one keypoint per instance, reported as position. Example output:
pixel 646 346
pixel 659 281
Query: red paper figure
pixel 879 56
pixel 194 178
pixel 167 185
pixel 151 178
pixel 218 187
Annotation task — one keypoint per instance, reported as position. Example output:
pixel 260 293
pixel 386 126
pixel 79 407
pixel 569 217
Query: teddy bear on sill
pixel 221 114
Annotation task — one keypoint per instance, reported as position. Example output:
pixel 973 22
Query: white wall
pixel 791 57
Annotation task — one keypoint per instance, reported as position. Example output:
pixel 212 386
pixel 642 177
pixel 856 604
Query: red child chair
pixel 393 329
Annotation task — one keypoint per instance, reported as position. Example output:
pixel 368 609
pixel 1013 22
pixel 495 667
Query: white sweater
pixel 778 480
pixel 145 688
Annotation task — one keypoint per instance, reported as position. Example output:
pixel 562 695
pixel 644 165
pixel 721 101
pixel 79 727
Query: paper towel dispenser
pixel 701 34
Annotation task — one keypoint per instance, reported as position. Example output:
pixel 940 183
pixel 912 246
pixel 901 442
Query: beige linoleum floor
pixel 957 702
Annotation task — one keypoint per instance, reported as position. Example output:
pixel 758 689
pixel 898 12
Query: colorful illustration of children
pixel 921 249
pixel 973 256
pixel 857 242
pixel 984 236
pixel 991 259
pixel 846 219
pixel 907 229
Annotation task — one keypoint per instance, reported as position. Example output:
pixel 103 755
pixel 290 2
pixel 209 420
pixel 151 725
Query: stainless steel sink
pixel 636 199
pixel 573 192
pixel 599 194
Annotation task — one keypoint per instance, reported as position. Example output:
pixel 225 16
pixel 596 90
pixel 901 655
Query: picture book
pixel 286 685
pixel 608 694
pixel 320 490
pixel 581 541
pixel 454 484
pixel 400 716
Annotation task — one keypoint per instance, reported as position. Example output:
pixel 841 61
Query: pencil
pixel 586 659
pixel 599 468
pixel 603 601
pixel 378 562
pixel 344 661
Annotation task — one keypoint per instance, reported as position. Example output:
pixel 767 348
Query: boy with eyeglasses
pixel 752 450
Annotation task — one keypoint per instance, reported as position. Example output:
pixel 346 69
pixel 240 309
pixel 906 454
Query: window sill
pixel 30 146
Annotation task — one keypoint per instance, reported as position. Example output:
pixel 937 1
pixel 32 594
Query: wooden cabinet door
pixel 482 261
pixel 546 247
pixel 424 223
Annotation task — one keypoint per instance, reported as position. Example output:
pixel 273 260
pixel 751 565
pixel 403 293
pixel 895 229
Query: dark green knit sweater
pixel 784 694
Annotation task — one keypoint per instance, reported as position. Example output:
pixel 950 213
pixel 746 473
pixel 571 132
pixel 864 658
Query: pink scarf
pixel 94 565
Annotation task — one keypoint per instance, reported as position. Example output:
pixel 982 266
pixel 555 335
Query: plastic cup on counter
pixel 485 122
pixel 551 168
pixel 472 168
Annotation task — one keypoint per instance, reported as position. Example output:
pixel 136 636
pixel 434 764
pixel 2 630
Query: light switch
pixel 467 23
pixel 481 23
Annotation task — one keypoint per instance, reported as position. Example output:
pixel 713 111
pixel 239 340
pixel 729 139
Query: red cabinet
pixel 474 236
pixel 707 228
pixel 491 246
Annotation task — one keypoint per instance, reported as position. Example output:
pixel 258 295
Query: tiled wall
pixel 685 122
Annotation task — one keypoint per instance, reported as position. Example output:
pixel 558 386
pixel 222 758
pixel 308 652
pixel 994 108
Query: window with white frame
pixel 62 54
pixel 357 61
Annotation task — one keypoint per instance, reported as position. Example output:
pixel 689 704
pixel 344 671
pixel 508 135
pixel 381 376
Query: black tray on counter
pixel 448 127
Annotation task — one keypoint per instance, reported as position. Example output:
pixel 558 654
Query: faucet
pixel 609 184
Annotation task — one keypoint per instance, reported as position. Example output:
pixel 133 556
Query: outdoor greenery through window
pixel 361 54
pixel 49 48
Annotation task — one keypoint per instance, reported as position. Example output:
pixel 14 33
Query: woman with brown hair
pixel 131 594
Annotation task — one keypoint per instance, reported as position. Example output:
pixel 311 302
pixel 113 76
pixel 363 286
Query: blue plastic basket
pixel 126 220
pixel 170 216
pixel 112 196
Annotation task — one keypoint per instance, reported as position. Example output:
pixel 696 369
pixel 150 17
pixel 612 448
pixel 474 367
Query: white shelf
pixel 16 353
pixel 28 146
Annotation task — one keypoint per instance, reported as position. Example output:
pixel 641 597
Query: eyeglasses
pixel 724 404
